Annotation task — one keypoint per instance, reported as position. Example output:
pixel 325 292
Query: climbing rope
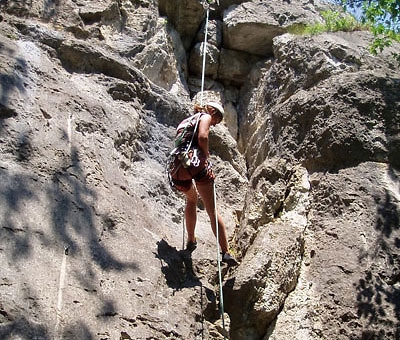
pixel 221 295
pixel 183 228
pixel 204 56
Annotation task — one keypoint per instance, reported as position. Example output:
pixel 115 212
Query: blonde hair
pixel 199 108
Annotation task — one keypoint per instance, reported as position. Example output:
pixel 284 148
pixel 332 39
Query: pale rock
pixel 185 15
pixel 250 27
pixel 196 60
pixel 214 33
pixel 159 62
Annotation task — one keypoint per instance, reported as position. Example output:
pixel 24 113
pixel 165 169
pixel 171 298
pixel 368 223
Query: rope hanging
pixel 221 296
pixel 204 57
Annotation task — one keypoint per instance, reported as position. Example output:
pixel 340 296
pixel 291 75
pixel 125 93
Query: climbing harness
pixel 181 151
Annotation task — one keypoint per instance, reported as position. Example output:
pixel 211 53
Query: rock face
pixel 307 165
pixel 338 120
pixel 251 26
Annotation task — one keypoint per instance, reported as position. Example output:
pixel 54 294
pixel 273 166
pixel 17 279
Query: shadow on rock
pixel 71 204
pixel 176 266
pixel 21 328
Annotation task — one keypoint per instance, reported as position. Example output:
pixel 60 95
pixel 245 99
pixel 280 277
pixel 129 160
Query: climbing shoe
pixel 229 260
pixel 191 245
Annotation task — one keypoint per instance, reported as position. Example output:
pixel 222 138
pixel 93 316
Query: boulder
pixel 214 33
pixel 235 66
pixel 341 71
pixel 348 283
pixel 185 15
pixel 337 128
pixel 251 26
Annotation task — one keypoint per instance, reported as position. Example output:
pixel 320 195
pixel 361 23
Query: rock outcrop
pixel 335 119
pixel 307 165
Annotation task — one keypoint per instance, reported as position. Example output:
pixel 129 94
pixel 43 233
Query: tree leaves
pixel 383 16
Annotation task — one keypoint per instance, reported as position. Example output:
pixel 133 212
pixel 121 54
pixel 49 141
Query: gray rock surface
pixel 307 165
pixel 338 117
pixel 348 284
pixel 251 26
pixel 185 15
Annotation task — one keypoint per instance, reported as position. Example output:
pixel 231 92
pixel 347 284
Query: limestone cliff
pixel 307 165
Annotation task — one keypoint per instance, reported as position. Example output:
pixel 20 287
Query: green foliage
pixel 334 21
pixel 383 16
pixel 338 21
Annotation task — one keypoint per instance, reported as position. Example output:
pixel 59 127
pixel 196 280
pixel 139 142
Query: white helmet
pixel 217 106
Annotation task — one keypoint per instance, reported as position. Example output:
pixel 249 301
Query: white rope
pixel 221 295
pixel 183 228
pixel 204 59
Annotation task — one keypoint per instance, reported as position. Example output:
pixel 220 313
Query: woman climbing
pixel 191 173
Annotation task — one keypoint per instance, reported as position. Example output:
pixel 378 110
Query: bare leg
pixel 191 212
pixel 206 192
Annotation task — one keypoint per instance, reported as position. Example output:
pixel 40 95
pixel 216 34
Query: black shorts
pixel 205 176
pixel 182 176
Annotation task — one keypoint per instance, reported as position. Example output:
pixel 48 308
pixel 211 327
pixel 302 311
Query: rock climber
pixel 191 172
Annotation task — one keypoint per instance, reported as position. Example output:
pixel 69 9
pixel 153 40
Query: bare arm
pixel 204 129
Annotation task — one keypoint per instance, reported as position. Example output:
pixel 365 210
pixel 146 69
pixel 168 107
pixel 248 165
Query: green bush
pixel 334 21
pixel 382 18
